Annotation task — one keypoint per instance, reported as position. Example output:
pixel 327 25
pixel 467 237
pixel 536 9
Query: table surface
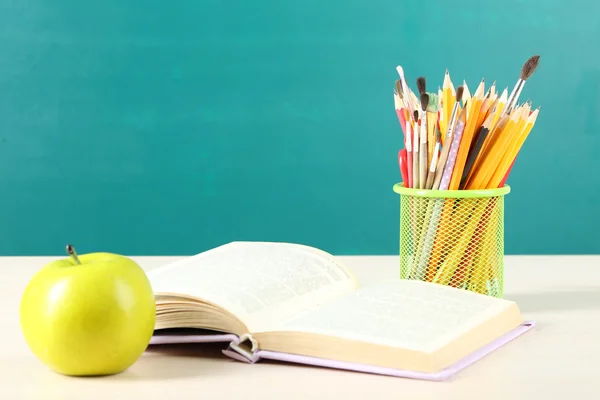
pixel 559 358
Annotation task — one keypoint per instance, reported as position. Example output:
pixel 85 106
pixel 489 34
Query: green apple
pixel 92 314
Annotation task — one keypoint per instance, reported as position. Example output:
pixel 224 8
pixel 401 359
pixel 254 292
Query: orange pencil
pixel 467 138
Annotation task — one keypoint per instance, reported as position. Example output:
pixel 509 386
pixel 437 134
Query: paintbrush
pixel 415 169
pixel 405 90
pixel 423 142
pixel 398 86
pixel 428 115
pixel 421 84
pixel 528 69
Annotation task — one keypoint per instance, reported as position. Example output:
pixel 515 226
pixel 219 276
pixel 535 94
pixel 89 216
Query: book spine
pixel 244 349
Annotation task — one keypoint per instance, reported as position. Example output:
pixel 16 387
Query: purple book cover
pixel 248 356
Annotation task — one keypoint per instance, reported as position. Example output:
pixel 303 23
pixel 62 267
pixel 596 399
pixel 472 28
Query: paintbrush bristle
pixel 434 102
pixel 459 93
pixel 421 84
pixel 424 101
pixel 416 115
pixel 399 87
pixel 529 67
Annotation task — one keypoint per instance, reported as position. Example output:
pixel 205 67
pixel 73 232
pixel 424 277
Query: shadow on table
pixel 177 361
pixel 588 299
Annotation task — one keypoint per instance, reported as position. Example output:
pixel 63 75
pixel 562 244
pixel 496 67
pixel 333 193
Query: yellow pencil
pixel 510 155
pixel 501 104
pixel 449 265
pixel 466 99
pixel 495 152
pixel 482 268
pixel 447 101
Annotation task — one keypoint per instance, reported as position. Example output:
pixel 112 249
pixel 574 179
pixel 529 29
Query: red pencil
pixel 508 172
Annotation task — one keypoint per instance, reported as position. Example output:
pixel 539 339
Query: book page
pixel 404 314
pixel 259 282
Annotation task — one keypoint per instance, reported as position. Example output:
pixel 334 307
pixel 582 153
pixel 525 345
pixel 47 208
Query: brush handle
pixel 451 123
pixel 423 166
pixel 423 150
pixel 416 155
pixel 441 164
pixel 409 168
pixel 431 174
pixel 514 95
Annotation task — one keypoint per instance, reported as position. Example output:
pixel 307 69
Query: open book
pixel 295 303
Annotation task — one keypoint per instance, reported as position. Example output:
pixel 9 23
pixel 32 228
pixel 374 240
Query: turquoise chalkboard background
pixel 169 127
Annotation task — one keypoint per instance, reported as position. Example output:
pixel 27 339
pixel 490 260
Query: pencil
pixel 492 136
pixel 511 153
pixel 448 101
pixel 434 209
pixel 453 152
pixel 466 97
pixel 498 149
pixel 474 152
pixel 448 140
pixel 461 158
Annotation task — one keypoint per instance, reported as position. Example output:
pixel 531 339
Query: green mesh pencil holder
pixel 453 237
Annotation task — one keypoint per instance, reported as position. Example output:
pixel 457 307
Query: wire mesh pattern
pixel 453 241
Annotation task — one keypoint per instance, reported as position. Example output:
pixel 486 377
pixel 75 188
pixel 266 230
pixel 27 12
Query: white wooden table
pixel 560 358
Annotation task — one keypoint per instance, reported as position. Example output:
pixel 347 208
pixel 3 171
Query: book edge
pixel 436 376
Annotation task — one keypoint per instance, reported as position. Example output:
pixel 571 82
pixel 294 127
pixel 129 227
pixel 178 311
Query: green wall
pixel 171 127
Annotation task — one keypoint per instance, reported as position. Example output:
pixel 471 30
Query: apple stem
pixel 71 251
